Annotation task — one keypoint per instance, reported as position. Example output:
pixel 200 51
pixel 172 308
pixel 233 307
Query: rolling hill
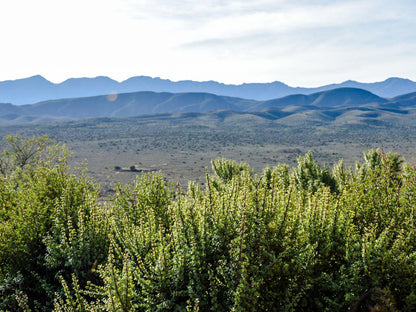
pixel 122 105
pixel 321 106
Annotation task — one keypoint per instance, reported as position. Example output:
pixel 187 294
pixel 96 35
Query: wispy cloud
pixel 299 42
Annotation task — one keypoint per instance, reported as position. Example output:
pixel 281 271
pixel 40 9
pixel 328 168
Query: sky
pixel 299 42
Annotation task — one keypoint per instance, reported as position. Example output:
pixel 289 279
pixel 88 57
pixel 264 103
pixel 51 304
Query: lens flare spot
pixel 112 97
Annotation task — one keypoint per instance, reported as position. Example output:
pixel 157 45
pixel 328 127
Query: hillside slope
pixel 317 107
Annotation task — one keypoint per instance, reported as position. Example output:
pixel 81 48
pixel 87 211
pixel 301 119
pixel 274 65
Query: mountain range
pixel 316 107
pixel 36 89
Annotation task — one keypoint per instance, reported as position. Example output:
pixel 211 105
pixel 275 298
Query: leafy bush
pixel 50 226
pixel 301 239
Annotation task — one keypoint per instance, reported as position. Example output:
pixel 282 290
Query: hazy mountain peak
pixel 32 79
pixel 37 88
pixel 37 77
pixel 397 79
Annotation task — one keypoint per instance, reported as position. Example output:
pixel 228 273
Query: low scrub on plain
pixel 308 238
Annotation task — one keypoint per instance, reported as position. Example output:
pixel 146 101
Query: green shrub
pixel 302 239
pixel 50 226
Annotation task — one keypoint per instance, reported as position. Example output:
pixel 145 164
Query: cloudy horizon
pixel 300 43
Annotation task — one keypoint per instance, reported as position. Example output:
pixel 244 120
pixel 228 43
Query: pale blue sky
pixel 299 42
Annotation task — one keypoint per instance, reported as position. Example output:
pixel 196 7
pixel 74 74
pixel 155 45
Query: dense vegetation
pixel 306 238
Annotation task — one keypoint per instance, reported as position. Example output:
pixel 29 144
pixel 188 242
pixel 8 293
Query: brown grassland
pixel 182 145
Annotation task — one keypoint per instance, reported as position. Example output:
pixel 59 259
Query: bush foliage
pixel 288 239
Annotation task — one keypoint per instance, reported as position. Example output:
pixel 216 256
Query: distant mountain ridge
pixel 35 89
pixel 322 105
